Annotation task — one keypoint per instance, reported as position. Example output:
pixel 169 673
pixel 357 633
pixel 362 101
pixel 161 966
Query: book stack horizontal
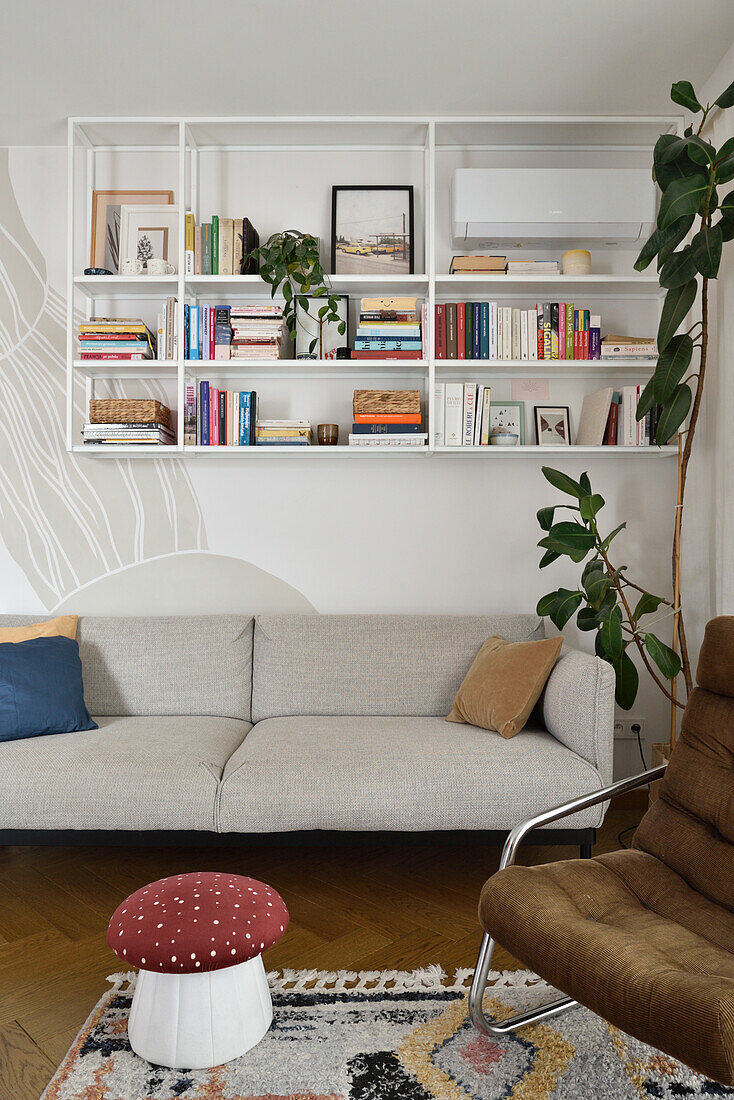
pixel 486 330
pixel 478 265
pixel 220 246
pixel 257 332
pixel 128 421
pixel 389 328
pixel 116 338
pixel 218 418
pixel 629 347
pixel 387 418
pixel 463 414
pixel 609 418
pixel 283 433
pixel 533 267
pixel 131 433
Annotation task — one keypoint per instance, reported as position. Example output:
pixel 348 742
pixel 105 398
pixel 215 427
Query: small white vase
pixel 197 1021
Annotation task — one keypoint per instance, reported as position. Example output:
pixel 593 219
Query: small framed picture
pixel 149 233
pixel 552 426
pixel 327 336
pixel 508 417
pixel 372 230
pixel 105 232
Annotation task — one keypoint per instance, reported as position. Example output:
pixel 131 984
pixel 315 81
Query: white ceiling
pixel 82 57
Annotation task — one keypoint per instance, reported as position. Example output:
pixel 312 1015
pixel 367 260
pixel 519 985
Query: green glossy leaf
pixel 679 269
pixel 673 413
pixel 682 92
pixel 545 518
pixel 546 603
pixel 608 540
pixel 548 558
pixel 726 99
pixel 585 483
pixel 562 481
pixel 664 657
pixel 571 536
pixel 665 174
pixel 671 366
pixel 725 169
pixel 660 238
pixel 700 151
pixel 564 607
pixel 596 565
pixel 627 681
pixel 587 619
pixel 706 251
pixel 590 505
pixel 727 229
pixel 675 308
pixel 683 196
pixel 611 634
pixel 646 605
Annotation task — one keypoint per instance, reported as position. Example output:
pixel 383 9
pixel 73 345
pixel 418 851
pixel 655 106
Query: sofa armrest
pixel 578 708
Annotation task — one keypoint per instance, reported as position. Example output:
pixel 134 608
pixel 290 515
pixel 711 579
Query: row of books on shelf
pixel 220 247
pixel 116 338
pixel 387 418
pixel 229 418
pixel 233 332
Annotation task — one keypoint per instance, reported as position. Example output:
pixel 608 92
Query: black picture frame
pixel 337 188
pixel 556 409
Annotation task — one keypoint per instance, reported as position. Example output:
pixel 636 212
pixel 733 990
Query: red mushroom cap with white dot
pixel 198 921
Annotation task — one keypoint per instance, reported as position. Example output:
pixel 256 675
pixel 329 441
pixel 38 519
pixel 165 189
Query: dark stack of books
pixel 387 418
pixel 123 338
pixel 389 328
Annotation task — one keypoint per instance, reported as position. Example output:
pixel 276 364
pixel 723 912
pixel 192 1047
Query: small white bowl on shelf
pixel 503 439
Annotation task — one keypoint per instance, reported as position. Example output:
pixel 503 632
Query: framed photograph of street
pixel 372 230
pixel 105 230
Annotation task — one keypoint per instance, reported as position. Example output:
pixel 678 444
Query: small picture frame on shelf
pixel 106 216
pixel 372 230
pixel 149 232
pixel 508 417
pixel 552 425
pixel 307 329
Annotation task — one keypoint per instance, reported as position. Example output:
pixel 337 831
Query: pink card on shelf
pixel 527 388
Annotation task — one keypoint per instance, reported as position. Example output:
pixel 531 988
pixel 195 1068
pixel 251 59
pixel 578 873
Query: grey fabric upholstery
pixel 132 773
pixel 396 773
pixel 370 664
pixel 164 664
pixel 578 708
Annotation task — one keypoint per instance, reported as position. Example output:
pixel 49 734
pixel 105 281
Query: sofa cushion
pixel 396 773
pixel 370 664
pixel 132 773
pixel 41 690
pixel 50 628
pixel 176 664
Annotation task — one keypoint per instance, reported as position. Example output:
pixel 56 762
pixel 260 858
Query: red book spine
pixel 561 330
pixel 610 435
pixel 387 418
pixel 461 330
pixel 213 416
pixel 113 355
pixel 440 331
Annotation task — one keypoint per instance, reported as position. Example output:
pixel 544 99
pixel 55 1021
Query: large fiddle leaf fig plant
pixel 694 221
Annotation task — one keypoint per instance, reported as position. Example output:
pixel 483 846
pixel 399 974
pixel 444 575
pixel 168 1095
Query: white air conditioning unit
pixel 555 207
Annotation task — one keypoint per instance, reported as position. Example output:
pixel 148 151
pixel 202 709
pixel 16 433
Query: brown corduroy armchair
pixel 644 937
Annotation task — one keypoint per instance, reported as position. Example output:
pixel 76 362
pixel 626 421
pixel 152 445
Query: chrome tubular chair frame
pixel 509 852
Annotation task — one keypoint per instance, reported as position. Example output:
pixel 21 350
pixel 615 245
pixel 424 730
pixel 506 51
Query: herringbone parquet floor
pixel 364 903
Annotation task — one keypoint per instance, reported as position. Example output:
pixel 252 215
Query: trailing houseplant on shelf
pixel 689 172
pixel 289 261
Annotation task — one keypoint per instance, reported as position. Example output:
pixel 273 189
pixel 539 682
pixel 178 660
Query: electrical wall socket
pixel 625 729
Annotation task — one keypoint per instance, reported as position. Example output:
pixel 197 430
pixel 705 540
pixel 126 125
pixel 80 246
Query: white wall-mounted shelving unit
pixel 279 172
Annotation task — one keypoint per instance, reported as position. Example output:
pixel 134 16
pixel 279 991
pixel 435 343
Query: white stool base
pixel 196 1021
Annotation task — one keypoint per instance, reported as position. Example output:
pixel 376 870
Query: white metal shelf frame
pixel 190 135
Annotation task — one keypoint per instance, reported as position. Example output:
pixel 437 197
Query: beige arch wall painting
pixel 118 536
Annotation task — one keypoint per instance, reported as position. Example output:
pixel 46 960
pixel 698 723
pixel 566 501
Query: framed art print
pixel 106 215
pixel 552 426
pixel 372 230
pixel 508 416
pixel 149 232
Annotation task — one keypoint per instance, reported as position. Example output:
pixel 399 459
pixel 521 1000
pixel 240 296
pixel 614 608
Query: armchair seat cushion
pixel 628 938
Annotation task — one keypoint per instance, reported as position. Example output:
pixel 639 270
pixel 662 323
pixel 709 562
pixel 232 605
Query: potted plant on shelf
pixel 289 261
pixel 689 172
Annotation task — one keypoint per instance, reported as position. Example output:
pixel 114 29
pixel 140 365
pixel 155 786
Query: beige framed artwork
pixel 149 232
pixel 106 215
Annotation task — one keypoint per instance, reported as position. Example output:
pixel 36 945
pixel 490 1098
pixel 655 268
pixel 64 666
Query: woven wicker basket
pixel 373 402
pixel 128 410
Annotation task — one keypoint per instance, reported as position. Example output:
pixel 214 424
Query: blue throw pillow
pixel 41 689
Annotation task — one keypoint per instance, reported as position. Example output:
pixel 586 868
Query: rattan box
pixel 128 410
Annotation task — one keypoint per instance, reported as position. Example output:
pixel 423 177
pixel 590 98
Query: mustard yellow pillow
pixel 504 684
pixel 64 625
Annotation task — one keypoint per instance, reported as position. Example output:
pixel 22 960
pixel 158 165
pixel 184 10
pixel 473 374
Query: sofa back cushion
pixel 180 664
pixel 388 665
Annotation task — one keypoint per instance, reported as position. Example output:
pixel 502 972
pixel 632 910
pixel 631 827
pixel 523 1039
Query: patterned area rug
pixel 385 1036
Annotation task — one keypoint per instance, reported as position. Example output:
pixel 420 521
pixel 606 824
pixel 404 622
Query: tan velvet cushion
pixel 504 684
pixel 64 625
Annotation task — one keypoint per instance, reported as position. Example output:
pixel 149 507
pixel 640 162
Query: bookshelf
pixel 279 172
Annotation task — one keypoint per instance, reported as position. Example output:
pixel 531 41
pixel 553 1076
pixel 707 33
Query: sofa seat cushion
pixel 627 937
pixel 396 773
pixel 131 773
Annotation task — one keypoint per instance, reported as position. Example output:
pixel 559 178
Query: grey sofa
pixel 232 724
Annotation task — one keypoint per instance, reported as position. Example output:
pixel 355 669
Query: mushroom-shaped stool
pixel 201 996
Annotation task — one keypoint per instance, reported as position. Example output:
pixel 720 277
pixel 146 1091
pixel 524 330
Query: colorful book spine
pixel 190 414
pixel 476 331
pixel 541 331
pixel 204 413
pixel 222 332
pixel 461 330
pixel 561 330
pixel 469 330
pixel 215 244
pixel 595 337
pixel 493 330
pixel 440 330
pixel 554 330
pixel 484 330
pixel 197 250
pixel 397 343
pixel 206 248
pixel 451 330
pixel 189 231
pixel 387 429
pixel 194 332
pixel 547 330
pixel 569 330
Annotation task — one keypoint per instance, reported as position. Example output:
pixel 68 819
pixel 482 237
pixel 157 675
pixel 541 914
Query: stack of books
pixel 134 432
pixel 387 418
pixel 609 418
pixel 478 265
pixel 123 338
pixel 257 332
pixel 220 247
pixel 463 416
pixel 218 418
pixel 486 330
pixel 533 267
pixel 389 328
pixel 128 421
pixel 629 347
pixel 283 433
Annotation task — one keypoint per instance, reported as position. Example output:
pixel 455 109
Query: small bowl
pixel 504 439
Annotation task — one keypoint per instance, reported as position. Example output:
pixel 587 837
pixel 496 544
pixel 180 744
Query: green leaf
pixel 671 367
pixel 590 505
pixel 545 518
pixel 287 291
pixel 611 634
pixel 700 151
pixel 727 206
pixel 571 536
pixel 546 603
pixel 727 229
pixel 596 565
pixel 627 681
pixel 726 99
pixel 682 92
pixel 608 540
pixel 660 238
pixel 664 657
pixel 585 483
pixel 683 196
pixel 646 605
pixel 587 619
pixel 679 269
pixel 564 607
pixel 548 558
pixel 674 412
pixel 647 400
pixel 562 481
pixel 706 250
pixel 597 589
pixel 725 169
pixel 675 307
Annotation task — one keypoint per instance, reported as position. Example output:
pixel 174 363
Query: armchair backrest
pixel 691 825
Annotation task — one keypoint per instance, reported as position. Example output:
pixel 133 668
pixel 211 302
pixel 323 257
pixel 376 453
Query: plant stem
pixel 631 584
